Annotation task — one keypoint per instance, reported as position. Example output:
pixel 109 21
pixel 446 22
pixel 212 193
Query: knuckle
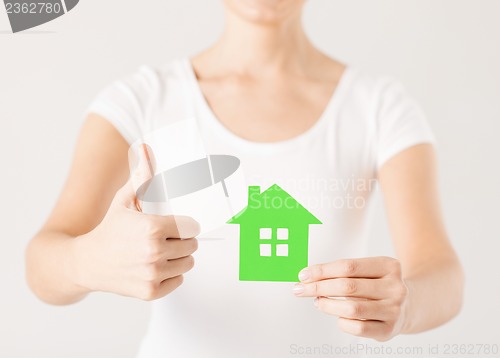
pixel 395 267
pixel 401 292
pixel 349 286
pixel 359 328
pixel 349 267
pixel 152 271
pixel 354 310
pixel 315 288
pixel 396 311
pixel 149 292
pixel 316 272
pixel 385 333
pixel 151 228
pixel 172 246
pixel 153 251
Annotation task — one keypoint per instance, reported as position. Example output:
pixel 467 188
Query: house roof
pixel 274 201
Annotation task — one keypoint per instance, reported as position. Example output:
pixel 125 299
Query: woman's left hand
pixel 375 294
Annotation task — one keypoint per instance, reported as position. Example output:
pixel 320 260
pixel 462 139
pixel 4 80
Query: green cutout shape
pixel 276 220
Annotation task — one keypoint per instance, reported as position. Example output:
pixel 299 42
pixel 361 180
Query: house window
pixel 267 249
pixel 282 234
pixel 282 250
pixel 266 233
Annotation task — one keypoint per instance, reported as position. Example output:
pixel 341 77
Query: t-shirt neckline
pixel 328 114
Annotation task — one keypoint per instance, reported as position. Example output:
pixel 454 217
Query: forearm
pixel 50 269
pixel 435 293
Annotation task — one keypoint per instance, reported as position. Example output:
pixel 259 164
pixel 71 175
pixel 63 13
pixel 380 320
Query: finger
pixel 174 226
pixel 137 153
pixel 143 172
pixel 370 267
pixel 374 289
pixel 177 267
pixel 366 310
pixel 176 248
pixel 141 175
pixel 371 329
pixel 162 289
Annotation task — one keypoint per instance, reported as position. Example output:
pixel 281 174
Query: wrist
pixel 407 310
pixel 77 265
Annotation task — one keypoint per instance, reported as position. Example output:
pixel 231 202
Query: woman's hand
pixel 134 254
pixel 368 295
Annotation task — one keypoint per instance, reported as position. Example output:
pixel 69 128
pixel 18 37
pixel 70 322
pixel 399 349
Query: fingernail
pixel 304 275
pixel 298 288
pixel 316 302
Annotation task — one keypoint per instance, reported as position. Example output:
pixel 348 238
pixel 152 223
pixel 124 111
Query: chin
pixel 265 11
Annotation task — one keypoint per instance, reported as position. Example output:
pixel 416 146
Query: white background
pixel 446 52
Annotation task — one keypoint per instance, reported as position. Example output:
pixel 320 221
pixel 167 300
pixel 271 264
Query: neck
pixel 248 47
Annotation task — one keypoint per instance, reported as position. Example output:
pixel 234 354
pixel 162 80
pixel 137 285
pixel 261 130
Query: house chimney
pixel 253 193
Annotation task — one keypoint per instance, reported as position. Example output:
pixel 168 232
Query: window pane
pixel 282 250
pixel 265 250
pixel 266 233
pixel 282 234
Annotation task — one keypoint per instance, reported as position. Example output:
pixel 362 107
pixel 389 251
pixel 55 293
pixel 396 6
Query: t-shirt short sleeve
pixel 124 103
pixel 401 123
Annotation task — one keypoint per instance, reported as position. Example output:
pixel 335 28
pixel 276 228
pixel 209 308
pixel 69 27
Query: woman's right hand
pixel 135 254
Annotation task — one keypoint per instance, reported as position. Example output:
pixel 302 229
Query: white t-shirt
pixel 330 169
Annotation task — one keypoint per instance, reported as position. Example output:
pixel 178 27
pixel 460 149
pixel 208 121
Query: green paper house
pixel 274 230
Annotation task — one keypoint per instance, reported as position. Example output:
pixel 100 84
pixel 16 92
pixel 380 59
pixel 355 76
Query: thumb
pixel 142 170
